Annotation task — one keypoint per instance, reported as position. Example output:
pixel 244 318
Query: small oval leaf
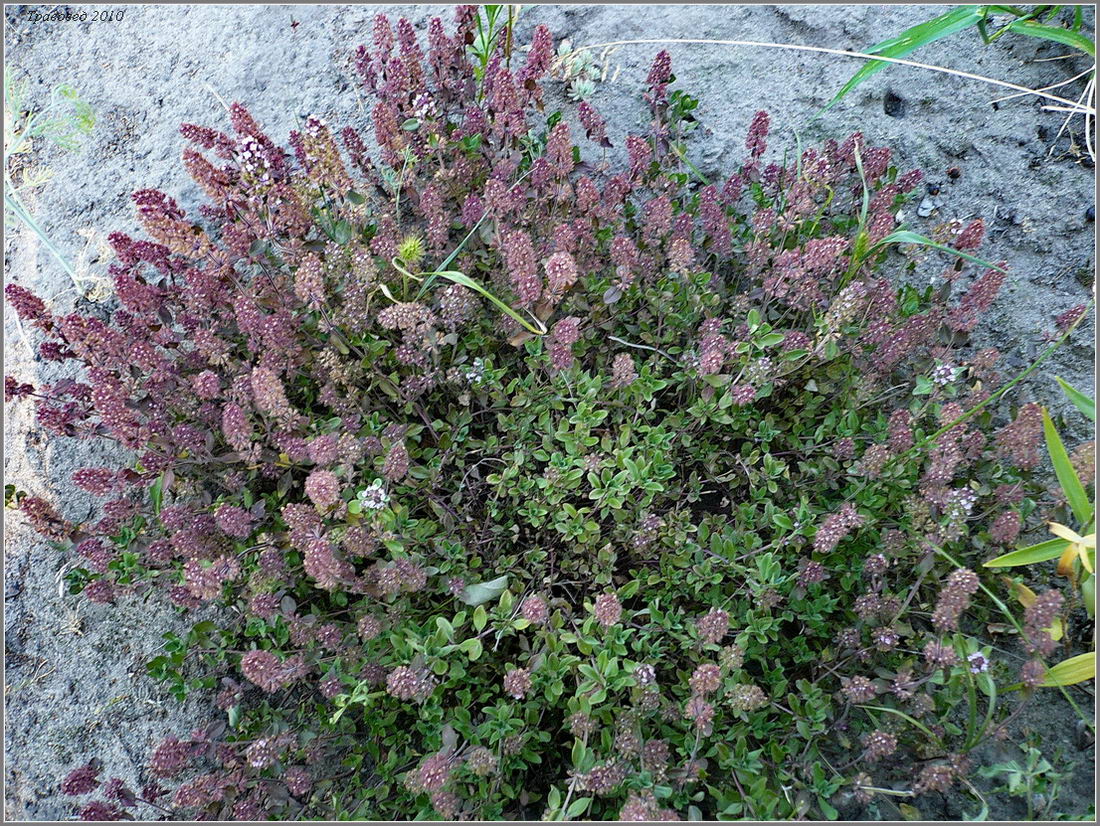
pixel 484 591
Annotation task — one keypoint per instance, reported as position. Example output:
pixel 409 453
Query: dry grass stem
pixel 1024 90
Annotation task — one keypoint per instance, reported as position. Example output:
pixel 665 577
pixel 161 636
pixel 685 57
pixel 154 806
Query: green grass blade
pixel 1067 476
pixel 1082 402
pixel 1075 40
pixel 466 281
pixel 912 39
pixel 905 717
pixel 1051 549
pixel 904 236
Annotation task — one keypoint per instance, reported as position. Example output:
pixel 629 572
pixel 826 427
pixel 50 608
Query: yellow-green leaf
pixel 910 812
pixel 1050 549
pixel 1072 671
pixel 1057 629
pixel 1067 476
pixel 1024 595
pixel 1068 534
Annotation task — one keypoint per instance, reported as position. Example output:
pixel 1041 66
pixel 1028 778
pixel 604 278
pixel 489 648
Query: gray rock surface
pixel 74 684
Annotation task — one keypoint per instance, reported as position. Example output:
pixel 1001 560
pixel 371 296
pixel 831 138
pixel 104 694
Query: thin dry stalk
pixel 1087 71
pixel 841 53
pixel 1088 112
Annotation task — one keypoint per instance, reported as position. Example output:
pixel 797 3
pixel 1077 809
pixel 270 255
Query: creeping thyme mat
pixel 538 477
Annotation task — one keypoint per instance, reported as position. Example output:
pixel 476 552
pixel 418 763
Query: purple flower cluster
pixel 836 527
pixel 517 683
pixel 607 610
pixel 954 599
pixel 269 672
pixel 1039 617
pixel 1020 440
pixel 713 626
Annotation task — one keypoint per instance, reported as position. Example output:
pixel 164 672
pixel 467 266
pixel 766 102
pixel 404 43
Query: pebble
pixel 928 205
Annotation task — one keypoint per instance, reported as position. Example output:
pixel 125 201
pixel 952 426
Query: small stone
pixel 928 205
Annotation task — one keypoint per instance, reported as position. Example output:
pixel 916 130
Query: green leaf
pixel 771 339
pixel 1072 671
pixel 827 808
pixel 982 814
pixel 910 40
pixel 783 521
pixel 342 232
pixel 1051 549
pixel 578 755
pixel 1057 34
pixel 481 617
pixel 446 627
pixel 15 205
pixel 904 236
pixel 1067 476
pixel 577 807
pixel 472 647
pixel 1088 594
pixel 484 591
pixel 156 494
pixel 1083 403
